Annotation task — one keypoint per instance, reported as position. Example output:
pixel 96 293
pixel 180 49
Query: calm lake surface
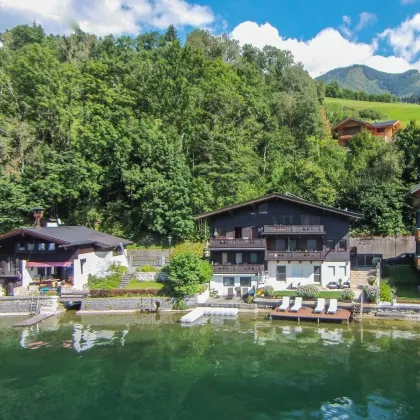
pixel 151 367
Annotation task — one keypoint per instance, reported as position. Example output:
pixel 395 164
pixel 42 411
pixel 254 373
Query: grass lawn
pixel 328 294
pixel 394 111
pixel 141 285
pixel 404 279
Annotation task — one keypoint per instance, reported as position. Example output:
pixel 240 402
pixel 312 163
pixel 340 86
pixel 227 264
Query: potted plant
pixel 340 282
pixel 238 291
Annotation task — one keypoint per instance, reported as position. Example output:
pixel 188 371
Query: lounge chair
pixel 333 306
pixel 320 306
pixel 285 304
pixel 297 305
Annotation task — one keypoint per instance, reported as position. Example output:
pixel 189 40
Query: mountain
pixel 364 78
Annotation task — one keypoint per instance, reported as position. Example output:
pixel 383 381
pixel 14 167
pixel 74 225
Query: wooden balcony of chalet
pixel 294 229
pixel 238 268
pixel 225 244
pixel 295 255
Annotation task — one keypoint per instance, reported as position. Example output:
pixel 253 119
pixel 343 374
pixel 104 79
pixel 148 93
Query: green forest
pixel 135 135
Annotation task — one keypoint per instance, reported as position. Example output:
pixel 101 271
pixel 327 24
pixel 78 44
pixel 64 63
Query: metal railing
pixel 237 243
pixel 238 268
pixel 294 229
pixel 295 255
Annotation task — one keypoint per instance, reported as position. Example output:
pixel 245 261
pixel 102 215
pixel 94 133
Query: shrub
pixel 146 269
pixel 307 292
pixel 105 293
pixel 386 292
pixel 186 272
pixel 250 299
pixel 376 261
pixel 371 293
pixel 187 247
pixel 180 305
pixel 371 280
pixel 347 294
pixel 108 282
pixel 268 290
pixel 213 293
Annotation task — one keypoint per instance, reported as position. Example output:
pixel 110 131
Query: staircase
pixel 125 280
pixel 359 278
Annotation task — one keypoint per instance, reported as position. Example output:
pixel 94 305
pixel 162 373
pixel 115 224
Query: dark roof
pixel 287 197
pixel 378 124
pixel 71 236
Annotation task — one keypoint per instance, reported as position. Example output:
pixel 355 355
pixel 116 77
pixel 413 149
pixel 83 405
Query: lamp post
pixel 169 242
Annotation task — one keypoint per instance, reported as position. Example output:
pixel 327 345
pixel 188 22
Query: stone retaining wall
pixel 140 276
pixel 21 305
pixel 132 304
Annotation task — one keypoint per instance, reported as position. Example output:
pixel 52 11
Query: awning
pixel 49 264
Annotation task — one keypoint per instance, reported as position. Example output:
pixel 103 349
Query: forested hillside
pixel 370 81
pixel 135 135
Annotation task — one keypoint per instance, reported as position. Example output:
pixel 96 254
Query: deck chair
pixel 333 306
pixel 285 304
pixel 320 306
pixel 297 305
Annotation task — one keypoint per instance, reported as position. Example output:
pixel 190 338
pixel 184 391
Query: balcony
pixel 9 272
pixel 237 244
pixel 238 268
pixel 294 229
pixel 295 255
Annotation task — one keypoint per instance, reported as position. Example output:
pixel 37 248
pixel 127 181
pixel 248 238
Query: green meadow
pixel 392 111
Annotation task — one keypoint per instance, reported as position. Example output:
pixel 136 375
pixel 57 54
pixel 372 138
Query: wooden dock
pixel 308 314
pixel 34 320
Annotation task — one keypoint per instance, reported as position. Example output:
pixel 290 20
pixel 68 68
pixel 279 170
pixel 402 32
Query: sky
pixel 321 34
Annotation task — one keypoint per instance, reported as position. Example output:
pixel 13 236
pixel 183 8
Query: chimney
pixel 38 214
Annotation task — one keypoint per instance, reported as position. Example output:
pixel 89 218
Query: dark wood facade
pixel 277 229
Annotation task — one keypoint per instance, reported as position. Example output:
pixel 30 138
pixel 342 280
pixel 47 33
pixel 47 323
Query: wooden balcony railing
pixel 294 229
pixel 295 255
pixel 238 268
pixel 9 272
pixel 237 243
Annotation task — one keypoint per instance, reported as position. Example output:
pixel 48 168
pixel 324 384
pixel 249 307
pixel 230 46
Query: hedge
pixel 103 293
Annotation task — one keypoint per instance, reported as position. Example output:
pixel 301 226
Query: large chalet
pixel 350 127
pixel 281 238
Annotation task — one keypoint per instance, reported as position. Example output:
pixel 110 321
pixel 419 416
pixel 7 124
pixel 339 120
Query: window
pixel 311 244
pixel 280 245
pixel 228 281
pixel 238 233
pixel 238 258
pixel 315 220
pixel 82 264
pixel 331 270
pixel 224 257
pixel 263 208
pixel 41 246
pixel 51 246
pixel 245 281
pixel 281 273
pixel 348 131
pixel 342 245
pixel 20 247
pixel 30 247
pixel 254 232
pixel 305 219
pixel 317 274
pixel 330 245
pixel 253 258
pixel 292 245
pixel 220 231
pixel 380 130
pixel 342 271
pixel 285 219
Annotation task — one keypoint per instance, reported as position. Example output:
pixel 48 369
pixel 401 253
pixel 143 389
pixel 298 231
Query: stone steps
pixel 359 278
pixel 125 280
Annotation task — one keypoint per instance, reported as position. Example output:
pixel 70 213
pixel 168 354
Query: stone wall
pixel 21 305
pixel 154 276
pixel 132 304
pixel 386 245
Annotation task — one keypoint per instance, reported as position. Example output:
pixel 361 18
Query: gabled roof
pixel 70 236
pixel 287 197
pixel 376 124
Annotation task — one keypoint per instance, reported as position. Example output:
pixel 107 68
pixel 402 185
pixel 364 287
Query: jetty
pixel 34 320
pixel 209 311
pixel 308 314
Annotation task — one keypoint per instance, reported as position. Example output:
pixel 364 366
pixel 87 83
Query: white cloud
pixel 405 39
pixel 104 16
pixel 326 51
pixel 365 19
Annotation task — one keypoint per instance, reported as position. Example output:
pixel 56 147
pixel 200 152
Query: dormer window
pixel 51 246
pixel 41 246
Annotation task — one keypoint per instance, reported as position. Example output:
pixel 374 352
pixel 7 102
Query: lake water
pixel 151 367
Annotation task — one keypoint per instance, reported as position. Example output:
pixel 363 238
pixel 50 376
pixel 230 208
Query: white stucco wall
pixel 97 264
pixel 217 283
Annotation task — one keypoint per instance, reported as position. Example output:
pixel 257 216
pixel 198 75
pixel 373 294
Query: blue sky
pixel 322 34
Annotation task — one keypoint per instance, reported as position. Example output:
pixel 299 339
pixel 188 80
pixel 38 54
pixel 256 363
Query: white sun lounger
pixel 320 306
pixel 333 306
pixel 297 305
pixel 285 303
